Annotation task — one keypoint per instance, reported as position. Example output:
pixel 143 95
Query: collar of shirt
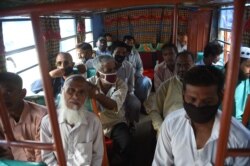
pixel 216 127
pixel 24 115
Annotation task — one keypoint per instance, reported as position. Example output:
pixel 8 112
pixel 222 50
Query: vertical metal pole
pixel 175 24
pixel 231 80
pixel 43 59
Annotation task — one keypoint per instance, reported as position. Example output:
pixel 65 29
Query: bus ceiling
pixel 88 7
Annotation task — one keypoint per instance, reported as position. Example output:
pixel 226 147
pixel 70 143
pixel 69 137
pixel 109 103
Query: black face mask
pixel 119 58
pixel 201 114
pixel 68 71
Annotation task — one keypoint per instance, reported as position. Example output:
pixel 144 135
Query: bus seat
pixel 38 99
pixel 146 47
pixel 91 72
pixel 20 163
pixel 199 56
pixel 158 46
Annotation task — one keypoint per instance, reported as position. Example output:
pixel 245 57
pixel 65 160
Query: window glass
pixel 226 18
pixel 67 27
pixel 28 80
pixel 17 34
pixel 88 26
pixel 89 37
pixel 20 61
pixel 68 44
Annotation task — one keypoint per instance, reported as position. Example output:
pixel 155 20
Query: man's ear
pixel 23 93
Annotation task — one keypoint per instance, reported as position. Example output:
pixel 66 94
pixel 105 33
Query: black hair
pixel 184 53
pixel 204 76
pixel 168 46
pixel 128 37
pixel 213 49
pixel 11 78
pixel 118 44
pixel 84 46
pixel 107 34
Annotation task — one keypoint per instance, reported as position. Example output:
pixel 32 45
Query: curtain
pixel 246 30
pixel 80 29
pixel 2 52
pixel 51 35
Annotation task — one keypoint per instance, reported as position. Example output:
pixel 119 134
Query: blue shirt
pixel 240 97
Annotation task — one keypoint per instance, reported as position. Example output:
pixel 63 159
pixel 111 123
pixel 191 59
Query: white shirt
pixel 200 63
pixel 82 144
pixel 177 146
pixel 181 48
pixel 118 93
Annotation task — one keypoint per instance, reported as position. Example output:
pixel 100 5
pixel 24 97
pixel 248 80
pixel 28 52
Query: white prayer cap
pixel 245 52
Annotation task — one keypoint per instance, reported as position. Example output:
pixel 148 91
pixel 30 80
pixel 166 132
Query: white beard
pixel 71 116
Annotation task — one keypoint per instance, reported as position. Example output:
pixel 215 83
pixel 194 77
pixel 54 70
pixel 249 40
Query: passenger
pixel 126 73
pixel 165 69
pixel 143 84
pixel 110 93
pixel 169 94
pixel 64 68
pixel 25 118
pixel 182 41
pixel 102 47
pixel 242 90
pixel 109 39
pixel 212 53
pixel 85 54
pixel 189 136
pixel 81 130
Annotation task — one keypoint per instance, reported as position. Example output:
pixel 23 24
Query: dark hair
pixel 84 46
pixel 128 37
pixel 107 34
pixel 118 44
pixel 213 49
pixel 185 53
pixel 204 76
pixel 11 78
pixel 168 46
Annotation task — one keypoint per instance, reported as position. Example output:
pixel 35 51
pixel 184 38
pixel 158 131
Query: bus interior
pixel 33 32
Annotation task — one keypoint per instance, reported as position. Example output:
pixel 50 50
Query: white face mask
pixel 109 78
pixel 109 44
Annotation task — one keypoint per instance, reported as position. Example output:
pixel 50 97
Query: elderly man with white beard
pixel 81 130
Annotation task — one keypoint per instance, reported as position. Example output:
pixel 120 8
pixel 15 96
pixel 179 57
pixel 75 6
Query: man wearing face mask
pixel 189 135
pixel 126 73
pixel 110 92
pixel 212 53
pixel 109 39
pixel 168 97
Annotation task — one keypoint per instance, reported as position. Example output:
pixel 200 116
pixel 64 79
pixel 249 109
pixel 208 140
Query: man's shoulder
pixel 176 116
pixel 91 117
pixel 239 132
pixel 172 80
pixel 36 109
